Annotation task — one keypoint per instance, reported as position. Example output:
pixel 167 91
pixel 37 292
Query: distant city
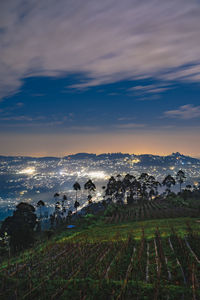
pixel 32 179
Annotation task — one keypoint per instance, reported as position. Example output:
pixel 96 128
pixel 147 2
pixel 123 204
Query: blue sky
pixel 99 76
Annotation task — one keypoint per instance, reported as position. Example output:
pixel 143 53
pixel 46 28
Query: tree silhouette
pixel 89 186
pixel 56 196
pixel 77 188
pixel 180 176
pixel 143 179
pixel 63 203
pixel 57 208
pixel 111 187
pixel 40 204
pixel 153 185
pixel 89 199
pixel 20 226
pixel 168 182
pixel 76 205
pixel 188 187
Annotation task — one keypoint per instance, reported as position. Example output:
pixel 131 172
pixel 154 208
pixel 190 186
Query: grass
pixel 106 232
pixel 99 231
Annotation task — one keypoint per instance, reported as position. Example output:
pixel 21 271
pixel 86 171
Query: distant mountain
pixel 99 156
pixel 81 156
pixel 142 160
pixel 173 159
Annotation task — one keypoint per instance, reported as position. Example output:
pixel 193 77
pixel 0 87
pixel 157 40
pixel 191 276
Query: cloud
pixel 185 112
pixel 125 118
pixel 17 118
pixel 129 126
pixel 151 89
pixel 106 41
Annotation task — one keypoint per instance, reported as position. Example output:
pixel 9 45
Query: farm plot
pixel 120 268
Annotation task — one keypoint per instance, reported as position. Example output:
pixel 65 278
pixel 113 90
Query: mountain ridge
pixel 175 158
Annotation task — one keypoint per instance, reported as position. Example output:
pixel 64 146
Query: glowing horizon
pixel 62 145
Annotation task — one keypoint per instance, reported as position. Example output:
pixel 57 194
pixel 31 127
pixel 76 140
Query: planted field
pixel 144 260
pixel 149 211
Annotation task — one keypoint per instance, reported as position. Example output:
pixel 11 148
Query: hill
pixel 142 160
pixel 155 259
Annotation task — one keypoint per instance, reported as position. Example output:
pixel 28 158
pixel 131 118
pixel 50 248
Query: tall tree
pixel 56 196
pixel 180 176
pixel 168 182
pixel 63 204
pixel 77 188
pixel 40 204
pixel 76 205
pixel 111 187
pixel 143 179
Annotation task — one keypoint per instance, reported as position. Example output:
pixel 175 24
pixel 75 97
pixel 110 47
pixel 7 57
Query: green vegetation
pixel 148 248
pixel 152 259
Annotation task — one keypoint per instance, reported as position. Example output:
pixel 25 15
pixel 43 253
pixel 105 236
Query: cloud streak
pixel 184 112
pixel 106 41
pixel 130 126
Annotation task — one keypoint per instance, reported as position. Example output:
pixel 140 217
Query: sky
pixel 99 76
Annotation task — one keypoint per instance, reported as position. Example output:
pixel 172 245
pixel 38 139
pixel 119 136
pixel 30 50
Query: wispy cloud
pixel 17 118
pixel 148 92
pixel 129 126
pixel 106 41
pixel 125 118
pixel 185 112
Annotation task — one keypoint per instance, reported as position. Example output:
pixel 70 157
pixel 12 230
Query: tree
pixel 77 188
pixel 130 199
pixel 4 244
pixel 76 205
pixel 40 204
pixel 180 176
pixel 188 187
pixel 153 186
pixel 143 179
pixel 111 187
pixel 119 177
pixel 56 195
pixel 89 199
pixel 57 208
pixel 64 197
pixel 63 203
pixel 20 226
pixel 168 182
pixel 89 186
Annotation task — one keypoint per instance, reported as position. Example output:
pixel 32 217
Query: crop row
pixel 149 211
pixel 158 262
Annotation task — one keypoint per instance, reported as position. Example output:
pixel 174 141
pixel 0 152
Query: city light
pixel 28 171
pixel 97 174
pixel 135 161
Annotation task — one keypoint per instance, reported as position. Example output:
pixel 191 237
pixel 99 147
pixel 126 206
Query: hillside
pixel 153 259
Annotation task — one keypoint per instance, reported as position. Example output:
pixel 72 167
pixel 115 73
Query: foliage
pixel 20 226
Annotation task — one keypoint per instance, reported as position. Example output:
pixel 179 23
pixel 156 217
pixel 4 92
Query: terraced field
pixel 157 259
pixel 149 211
